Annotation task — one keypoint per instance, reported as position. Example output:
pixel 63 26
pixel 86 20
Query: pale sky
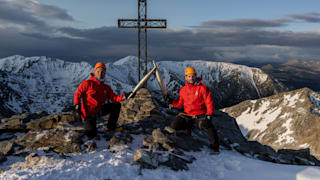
pixel 220 30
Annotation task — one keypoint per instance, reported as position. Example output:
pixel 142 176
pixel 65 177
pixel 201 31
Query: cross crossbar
pixel 144 23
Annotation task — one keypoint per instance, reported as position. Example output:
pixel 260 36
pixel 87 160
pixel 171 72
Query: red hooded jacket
pixel 195 98
pixel 94 93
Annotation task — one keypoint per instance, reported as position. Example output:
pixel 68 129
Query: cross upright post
pixel 142 23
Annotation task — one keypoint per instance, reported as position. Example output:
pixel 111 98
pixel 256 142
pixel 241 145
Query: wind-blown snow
pixel 102 164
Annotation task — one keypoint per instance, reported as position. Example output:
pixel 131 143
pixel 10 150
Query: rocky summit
pixel 289 120
pixel 39 138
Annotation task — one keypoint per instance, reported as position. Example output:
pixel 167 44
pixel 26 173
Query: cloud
pixel 307 17
pixel 246 23
pixel 112 43
pixel 30 16
pixel 32 8
pixel 24 30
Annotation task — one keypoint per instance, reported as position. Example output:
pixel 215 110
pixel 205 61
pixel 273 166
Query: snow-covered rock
pixel 288 120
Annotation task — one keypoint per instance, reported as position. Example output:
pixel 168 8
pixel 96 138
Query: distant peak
pixel 293 62
pixel 126 60
pixel 267 67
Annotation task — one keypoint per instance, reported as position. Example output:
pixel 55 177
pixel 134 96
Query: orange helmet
pixel 189 70
pixel 99 65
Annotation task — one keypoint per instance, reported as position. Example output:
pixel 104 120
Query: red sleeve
pixel 208 100
pixel 80 91
pixel 179 102
pixel 112 96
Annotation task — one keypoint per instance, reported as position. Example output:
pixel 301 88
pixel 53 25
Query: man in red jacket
pixel 198 108
pixel 92 94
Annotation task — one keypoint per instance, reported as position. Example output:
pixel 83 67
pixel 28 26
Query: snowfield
pixel 102 164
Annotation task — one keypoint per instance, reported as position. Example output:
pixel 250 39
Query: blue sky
pixel 219 30
pixel 183 13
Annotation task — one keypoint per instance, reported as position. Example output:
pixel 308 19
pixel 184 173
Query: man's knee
pixel 205 125
pixel 117 106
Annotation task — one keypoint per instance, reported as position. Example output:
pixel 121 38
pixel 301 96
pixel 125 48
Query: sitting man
pixel 198 107
pixel 94 93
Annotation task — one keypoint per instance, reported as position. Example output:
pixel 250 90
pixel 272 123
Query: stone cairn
pixel 139 115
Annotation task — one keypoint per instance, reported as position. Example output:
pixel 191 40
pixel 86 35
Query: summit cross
pixel 142 23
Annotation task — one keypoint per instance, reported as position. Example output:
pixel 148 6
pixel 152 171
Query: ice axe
pixel 146 77
pixel 160 82
pixel 142 81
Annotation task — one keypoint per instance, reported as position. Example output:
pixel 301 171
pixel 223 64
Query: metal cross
pixel 142 23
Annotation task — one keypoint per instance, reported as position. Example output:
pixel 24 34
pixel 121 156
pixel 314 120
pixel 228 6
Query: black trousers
pixel 90 123
pixel 187 122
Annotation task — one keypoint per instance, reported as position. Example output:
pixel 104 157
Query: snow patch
pixel 259 119
pixel 309 173
pixel 44 134
pixel 291 101
pixel 68 136
pixel 285 137
pixel 305 145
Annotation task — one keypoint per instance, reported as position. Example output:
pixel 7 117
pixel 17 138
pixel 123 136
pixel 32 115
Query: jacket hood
pixel 93 78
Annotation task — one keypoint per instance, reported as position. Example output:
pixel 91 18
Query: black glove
pixel 168 99
pixel 77 108
pixel 208 118
pixel 204 121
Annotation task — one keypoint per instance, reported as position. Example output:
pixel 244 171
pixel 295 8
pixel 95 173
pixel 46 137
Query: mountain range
pixel 30 84
pixel 296 74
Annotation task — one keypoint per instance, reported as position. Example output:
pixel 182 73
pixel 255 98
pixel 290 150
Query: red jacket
pixel 195 98
pixel 93 94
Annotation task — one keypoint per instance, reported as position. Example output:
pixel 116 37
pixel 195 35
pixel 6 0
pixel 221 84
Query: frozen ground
pixel 102 164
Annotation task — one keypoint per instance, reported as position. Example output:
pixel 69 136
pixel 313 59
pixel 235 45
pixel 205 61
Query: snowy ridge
pixel 257 120
pixel 287 120
pixel 243 82
pixel 42 83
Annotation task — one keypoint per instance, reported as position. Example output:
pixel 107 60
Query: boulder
pixel 90 145
pixel 146 159
pixel 6 147
pixel 60 141
pixel 32 160
pixel 169 149
pixel 52 121
pixel 38 120
pixel 119 140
